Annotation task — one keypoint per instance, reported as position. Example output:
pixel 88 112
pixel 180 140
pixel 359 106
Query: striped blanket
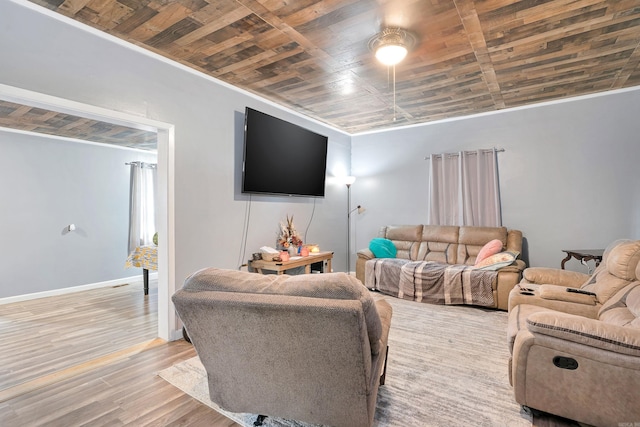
pixel 432 282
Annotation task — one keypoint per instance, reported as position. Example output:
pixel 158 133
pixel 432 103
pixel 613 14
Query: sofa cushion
pixel 633 300
pixel 441 252
pixel 439 243
pixel 623 309
pixel 472 239
pixel 623 260
pixel 491 248
pixel 440 233
pixel 382 248
pixel 604 285
pixel 410 233
pixel 620 262
pixel 405 238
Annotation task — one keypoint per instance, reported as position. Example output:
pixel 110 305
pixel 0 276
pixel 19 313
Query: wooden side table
pixel 583 255
pixel 281 266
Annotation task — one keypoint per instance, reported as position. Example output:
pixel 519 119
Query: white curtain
pixel 142 212
pixel 464 189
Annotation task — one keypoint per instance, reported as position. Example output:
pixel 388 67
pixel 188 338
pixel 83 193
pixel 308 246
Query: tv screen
pixel 282 158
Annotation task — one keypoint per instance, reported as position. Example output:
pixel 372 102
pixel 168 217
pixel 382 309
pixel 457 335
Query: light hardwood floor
pixel 90 359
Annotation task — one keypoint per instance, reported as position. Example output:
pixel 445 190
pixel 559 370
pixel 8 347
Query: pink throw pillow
pixel 491 248
pixel 497 261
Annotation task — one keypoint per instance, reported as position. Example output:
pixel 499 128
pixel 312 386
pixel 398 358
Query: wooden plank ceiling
pixel 312 55
pixel 33 119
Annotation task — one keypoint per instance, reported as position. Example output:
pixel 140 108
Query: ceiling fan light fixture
pixel 391 54
pixel 391 45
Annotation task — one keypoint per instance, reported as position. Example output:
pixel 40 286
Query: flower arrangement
pixel 288 235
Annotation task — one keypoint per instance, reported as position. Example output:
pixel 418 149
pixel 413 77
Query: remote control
pixel 580 291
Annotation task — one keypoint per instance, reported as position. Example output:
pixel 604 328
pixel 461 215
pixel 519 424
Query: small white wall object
pixel 71 227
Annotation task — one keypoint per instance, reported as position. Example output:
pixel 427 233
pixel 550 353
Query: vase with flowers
pixel 288 237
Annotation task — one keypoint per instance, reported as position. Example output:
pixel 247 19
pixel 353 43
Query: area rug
pixel 447 366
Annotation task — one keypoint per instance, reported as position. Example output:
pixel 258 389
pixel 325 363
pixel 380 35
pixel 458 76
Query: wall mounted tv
pixel 281 158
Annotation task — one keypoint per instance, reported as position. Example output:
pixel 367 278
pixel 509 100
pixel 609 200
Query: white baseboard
pixel 62 291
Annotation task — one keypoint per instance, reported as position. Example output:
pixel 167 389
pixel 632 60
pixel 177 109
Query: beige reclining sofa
pixel 310 348
pixel 448 246
pixel 576 354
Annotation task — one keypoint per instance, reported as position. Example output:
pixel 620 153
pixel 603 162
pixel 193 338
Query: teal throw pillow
pixel 383 248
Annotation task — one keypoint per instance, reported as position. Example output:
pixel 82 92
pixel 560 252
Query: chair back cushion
pixel 616 271
pixel 623 309
pixel 623 260
pixel 439 243
pixel 325 286
pixel 473 239
pixel 405 238
pixel 633 304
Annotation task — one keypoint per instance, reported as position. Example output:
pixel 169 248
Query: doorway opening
pixel 167 320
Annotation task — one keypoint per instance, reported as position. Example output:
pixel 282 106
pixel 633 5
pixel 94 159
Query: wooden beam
pixel 473 28
pixel 628 69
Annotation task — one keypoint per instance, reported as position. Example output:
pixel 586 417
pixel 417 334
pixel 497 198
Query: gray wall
pixel 58 59
pixel 568 176
pixel 48 184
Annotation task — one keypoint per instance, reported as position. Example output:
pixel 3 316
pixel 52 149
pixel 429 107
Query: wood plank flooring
pixel 90 359
pixel 46 335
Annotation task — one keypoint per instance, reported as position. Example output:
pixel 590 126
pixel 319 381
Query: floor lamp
pixel 348 181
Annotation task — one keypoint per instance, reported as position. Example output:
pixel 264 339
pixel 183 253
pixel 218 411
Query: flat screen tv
pixel 281 158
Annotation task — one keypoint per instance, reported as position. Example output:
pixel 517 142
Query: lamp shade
pixel 391 54
pixel 349 180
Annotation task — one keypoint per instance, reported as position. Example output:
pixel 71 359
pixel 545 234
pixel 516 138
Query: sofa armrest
pixel 582 330
pixel 365 254
pixel 514 240
pixel 517 267
pixel 555 276
pixel 508 278
pixel 560 293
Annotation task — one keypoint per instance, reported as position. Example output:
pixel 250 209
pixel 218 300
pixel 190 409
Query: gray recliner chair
pixel 310 348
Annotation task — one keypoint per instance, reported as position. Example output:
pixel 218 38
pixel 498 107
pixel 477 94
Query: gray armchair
pixel 310 348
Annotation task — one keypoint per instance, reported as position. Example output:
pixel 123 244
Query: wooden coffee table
pixel 281 266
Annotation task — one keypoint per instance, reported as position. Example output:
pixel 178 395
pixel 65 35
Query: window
pixel 464 189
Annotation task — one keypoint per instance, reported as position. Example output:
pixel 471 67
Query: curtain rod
pixel 486 150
